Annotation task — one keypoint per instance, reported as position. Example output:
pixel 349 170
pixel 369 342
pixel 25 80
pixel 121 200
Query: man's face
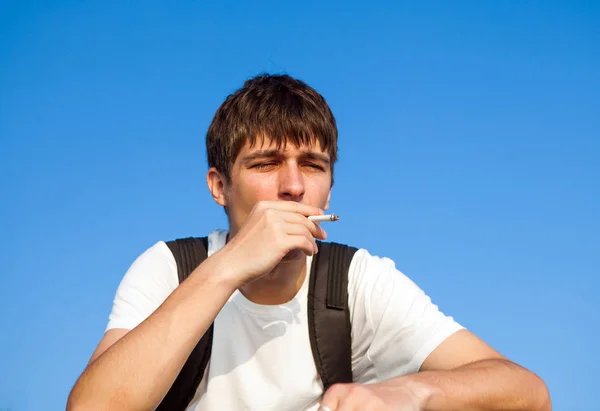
pixel 264 172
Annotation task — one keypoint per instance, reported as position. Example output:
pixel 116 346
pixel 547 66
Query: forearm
pixel 486 385
pixel 138 370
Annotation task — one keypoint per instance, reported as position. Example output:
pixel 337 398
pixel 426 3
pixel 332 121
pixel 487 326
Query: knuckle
pixel 309 245
pixel 258 207
pixel 357 390
pixel 261 205
pixel 338 389
pixel 269 214
pixel 307 232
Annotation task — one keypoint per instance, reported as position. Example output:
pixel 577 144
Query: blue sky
pixel 469 153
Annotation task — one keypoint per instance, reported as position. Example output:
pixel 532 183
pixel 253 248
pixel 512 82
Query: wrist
pixel 223 272
pixel 434 400
pixel 429 394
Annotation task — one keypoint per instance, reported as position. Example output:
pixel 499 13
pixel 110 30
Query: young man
pixel 271 148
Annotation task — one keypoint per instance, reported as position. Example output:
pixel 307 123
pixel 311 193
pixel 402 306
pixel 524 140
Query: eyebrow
pixel 260 155
pixel 257 155
pixel 324 158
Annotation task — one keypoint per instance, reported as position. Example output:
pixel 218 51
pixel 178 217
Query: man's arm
pixel 463 373
pixel 466 373
pixel 136 371
pixel 133 370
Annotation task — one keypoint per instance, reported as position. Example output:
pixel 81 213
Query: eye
pixel 264 165
pixel 315 166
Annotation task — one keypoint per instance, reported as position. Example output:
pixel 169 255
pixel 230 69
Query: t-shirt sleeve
pixel 145 286
pixel 395 325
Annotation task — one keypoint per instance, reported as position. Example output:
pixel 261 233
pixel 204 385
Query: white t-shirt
pixel 261 356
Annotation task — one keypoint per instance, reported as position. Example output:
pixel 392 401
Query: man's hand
pixel 383 396
pixel 272 231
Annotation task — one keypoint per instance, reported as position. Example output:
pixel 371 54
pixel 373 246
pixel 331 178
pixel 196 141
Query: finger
pixel 315 229
pixel 300 230
pixel 320 229
pixel 301 242
pixel 359 397
pixel 290 206
pixel 333 397
pixel 350 404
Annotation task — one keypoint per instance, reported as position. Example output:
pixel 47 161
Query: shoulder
pixel 158 250
pixel 159 257
pixel 156 257
pixel 361 256
pixel 154 267
pixel 369 271
pixel 364 268
pixel 147 283
pixel 373 279
pixel 377 288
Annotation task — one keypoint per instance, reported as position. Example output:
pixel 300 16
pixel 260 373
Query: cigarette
pixel 323 218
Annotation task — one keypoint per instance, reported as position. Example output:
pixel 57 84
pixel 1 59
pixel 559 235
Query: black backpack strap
pixel 189 253
pixel 329 325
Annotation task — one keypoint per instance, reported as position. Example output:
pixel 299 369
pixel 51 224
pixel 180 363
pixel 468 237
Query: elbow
pixel 83 399
pixel 85 405
pixel 543 401
pixel 74 401
pixel 73 404
pixel 79 400
pixel 546 401
pixel 534 393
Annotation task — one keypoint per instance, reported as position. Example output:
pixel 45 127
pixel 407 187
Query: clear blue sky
pixel 469 153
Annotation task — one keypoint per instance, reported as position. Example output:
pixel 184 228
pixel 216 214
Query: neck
pixel 279 286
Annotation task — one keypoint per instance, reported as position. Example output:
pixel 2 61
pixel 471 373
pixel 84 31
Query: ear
pixel 216 184
pixel 328 199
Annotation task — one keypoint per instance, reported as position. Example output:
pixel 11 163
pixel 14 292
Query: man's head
pixel 275 138
pixel 279 107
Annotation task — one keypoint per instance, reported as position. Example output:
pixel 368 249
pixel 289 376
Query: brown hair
pixel 277 107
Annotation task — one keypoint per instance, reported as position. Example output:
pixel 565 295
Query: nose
pixel 291 183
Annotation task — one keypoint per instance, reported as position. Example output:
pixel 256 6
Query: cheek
pixel 259 187
pixel 317 193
